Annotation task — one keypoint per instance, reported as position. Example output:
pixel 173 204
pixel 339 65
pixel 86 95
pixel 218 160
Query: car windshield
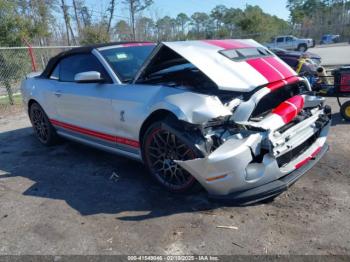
pixel 127 60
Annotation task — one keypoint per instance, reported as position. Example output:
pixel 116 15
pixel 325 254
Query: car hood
pixel 242 76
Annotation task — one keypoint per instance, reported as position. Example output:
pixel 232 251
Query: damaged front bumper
pixel 235 172
pixel 273 188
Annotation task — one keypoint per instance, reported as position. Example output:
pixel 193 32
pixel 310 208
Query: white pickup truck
pixel 290 42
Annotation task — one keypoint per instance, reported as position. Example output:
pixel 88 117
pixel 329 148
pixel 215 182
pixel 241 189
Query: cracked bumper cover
pixel 238 178
pixel 273 188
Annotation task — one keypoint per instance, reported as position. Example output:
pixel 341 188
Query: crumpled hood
pixel 243 75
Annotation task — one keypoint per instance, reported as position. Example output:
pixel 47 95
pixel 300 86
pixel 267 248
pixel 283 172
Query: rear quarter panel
pixel 39 90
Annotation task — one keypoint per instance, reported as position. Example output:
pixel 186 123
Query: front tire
pixel 160 148
pixel 43 129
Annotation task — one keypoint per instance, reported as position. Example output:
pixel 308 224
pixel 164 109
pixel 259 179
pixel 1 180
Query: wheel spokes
pixel 40 125
pixel 163 149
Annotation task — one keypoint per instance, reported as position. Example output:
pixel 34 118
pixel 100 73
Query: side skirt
pixel 112 149
pixel 110 143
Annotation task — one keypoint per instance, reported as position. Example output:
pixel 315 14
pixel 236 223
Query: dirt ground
pixel 62 200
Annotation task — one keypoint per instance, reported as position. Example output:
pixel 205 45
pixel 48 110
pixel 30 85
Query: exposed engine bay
pixel 262 142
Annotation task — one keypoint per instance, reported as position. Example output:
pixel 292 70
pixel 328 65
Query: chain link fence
pixel 16 63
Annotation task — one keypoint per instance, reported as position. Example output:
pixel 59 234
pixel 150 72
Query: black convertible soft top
pixel 78 50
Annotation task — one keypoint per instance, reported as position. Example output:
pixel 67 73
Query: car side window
pixel 280 39
pixel 288 39
pixel 74 64
pixel 55 75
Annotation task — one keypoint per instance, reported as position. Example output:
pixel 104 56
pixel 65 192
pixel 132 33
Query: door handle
pixel 58 93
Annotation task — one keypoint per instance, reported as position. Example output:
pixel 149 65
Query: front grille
pixel 297 151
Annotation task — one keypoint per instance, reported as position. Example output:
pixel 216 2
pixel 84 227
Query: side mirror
pixel 88 77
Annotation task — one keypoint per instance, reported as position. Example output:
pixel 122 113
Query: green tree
pixel 182 21
pixel 123 30
pixel 145 28
pixel 95 34
pixel 231 19
pixel 136 6
pixel 218 14
pixel 164 27
pixel 200 21
pixel 12 29
pixel 111 12
pixel 256 24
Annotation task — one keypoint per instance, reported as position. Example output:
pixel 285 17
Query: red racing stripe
pixel 303 162
pixel 292 79
pixel 278 84
pixel 298 102
pixel 286 111
pixel 265 69
pixel 290 108
pixel 283 69
pixel 306 160
pixel 316 152
pixel 228 44
pixel 115 139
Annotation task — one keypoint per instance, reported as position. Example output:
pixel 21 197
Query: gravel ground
pixel 61 200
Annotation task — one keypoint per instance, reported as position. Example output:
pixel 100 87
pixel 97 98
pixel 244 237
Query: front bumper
pixel 232 172
pixel 273 188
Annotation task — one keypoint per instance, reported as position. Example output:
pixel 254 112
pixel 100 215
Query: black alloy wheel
pixel 160 148
pixel 43 129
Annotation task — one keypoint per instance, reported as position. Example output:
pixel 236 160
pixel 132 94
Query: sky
pixel 173 7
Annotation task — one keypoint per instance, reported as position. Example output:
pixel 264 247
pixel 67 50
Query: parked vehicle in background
pixel 329 39
pixel 224 114
pixel 292 57
pixel 305 64
pixel 290 42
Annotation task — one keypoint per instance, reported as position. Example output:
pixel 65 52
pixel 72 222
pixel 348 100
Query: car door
pixel 280 42
pixel 289 42
pixel 84 109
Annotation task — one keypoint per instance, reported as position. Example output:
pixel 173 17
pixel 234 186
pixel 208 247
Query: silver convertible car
pixel 225 115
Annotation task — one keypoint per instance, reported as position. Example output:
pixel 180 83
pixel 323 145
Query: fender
pixel 191 107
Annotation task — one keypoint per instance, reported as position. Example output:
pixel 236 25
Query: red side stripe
pixel 290 108
pixel 115 139
pixel 264 69
pixel 306 160
pixel 283 69
pixel 227 44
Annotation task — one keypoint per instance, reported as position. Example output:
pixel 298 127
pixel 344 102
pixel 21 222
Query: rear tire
pixel 302 48
pixel 345 110
pixel 160 148
pixel 43 129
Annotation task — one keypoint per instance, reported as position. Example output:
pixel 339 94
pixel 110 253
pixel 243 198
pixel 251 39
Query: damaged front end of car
pixel 256 126
pixel 269 140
